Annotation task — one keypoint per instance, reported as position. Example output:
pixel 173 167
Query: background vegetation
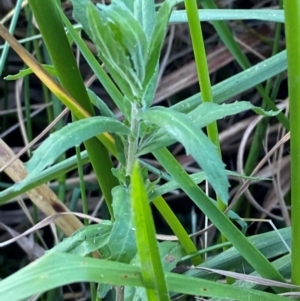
pixel 116 122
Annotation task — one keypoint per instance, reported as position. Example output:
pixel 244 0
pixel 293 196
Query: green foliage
pixel 128 36
pixel 47 273
pixel 87 240
pixel 202 115
pixel 71 135
pixel 122 240
pixel 28 71
pixel 195 142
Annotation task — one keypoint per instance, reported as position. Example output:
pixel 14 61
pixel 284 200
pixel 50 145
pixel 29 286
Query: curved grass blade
pixel 56 269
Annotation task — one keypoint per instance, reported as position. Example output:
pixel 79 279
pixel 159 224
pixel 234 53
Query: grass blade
pixel 292 14
pixel 56 269
pixel 247 250
pixel 151 265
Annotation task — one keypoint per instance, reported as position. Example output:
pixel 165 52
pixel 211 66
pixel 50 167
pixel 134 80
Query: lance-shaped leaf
pixel 195 142
pixel 22 73
pixel 71 135
pixel 203 115
pixel 110 47
pixel 112 51
pixel 144 12
pixel 122 239
pixel 157 38
pixel 129 33
pixel 208 112
pixel 87 240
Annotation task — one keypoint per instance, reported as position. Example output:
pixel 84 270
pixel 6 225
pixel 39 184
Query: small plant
pixel 128 36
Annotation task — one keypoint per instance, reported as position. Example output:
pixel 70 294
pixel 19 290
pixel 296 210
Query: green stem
pixel 12 27
pixel 201 64
pixel 173 222
pixel 82 185
pixel 203 75
pixel 132 140
pixel 292 29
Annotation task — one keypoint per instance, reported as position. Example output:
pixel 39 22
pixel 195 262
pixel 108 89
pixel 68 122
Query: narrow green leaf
pixel 144 12
pixel 100 104
pixel 270 244
pixel 202 115
pixel 148 93
pixel 129 33
pixel 113 52
pixel 205 113
pixel 157 38
pixel 292 32
pixel 22 73
pixel 283 264
pixel 102 76
pixel 272 15
pixel 197 178
pixel 122 243
pixel 239 83
pixel 71 135
pixel 56 269
pixel 151 265
pixel 87 240
pixel 195 142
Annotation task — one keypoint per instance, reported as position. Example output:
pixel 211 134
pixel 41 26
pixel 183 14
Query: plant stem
pixel 82 186
pixel 292 29
pixel 132 140
pixel 201 64
pixel 203 75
